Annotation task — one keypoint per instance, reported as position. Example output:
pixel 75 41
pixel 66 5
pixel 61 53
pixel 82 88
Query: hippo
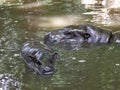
pixel 82 35
pixel 40 59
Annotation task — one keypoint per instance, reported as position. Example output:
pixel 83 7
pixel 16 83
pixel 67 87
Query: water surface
pixel 96 68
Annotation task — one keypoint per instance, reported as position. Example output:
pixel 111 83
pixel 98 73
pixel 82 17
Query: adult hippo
pixel 39 58
pixel 81 35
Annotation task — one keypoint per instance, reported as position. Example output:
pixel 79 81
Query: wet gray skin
pixel 81 34
pixel 116 37
pixel 41 60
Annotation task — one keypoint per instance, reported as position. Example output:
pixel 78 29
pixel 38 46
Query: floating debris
pixel 16 55
pixel 117 64
pixel 82 61
pixel 73 58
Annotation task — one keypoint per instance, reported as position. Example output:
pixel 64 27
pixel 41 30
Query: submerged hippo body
pixel 41 60
pixel 81 34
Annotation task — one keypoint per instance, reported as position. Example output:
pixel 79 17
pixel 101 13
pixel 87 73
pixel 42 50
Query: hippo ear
pixel 53 57
pixel 47 38
pixel 115 37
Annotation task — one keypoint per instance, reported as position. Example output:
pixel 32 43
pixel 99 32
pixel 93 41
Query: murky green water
pixel 97 68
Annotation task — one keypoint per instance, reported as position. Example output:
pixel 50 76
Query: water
pixel 97 68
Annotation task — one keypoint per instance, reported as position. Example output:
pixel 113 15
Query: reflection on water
pixel 106 19
pixel 53 21
pixel 105 12
pixel 97 68
pixel 34 4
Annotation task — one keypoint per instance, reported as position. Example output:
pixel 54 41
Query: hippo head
pixel 79 34
pixel 40 60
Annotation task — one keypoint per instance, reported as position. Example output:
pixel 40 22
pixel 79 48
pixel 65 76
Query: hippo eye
pixel 67 33
pixel 86 35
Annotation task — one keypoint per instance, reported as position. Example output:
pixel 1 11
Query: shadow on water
pixel 87 69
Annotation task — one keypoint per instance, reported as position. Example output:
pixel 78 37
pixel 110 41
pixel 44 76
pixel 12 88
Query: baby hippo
pixel 39 58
